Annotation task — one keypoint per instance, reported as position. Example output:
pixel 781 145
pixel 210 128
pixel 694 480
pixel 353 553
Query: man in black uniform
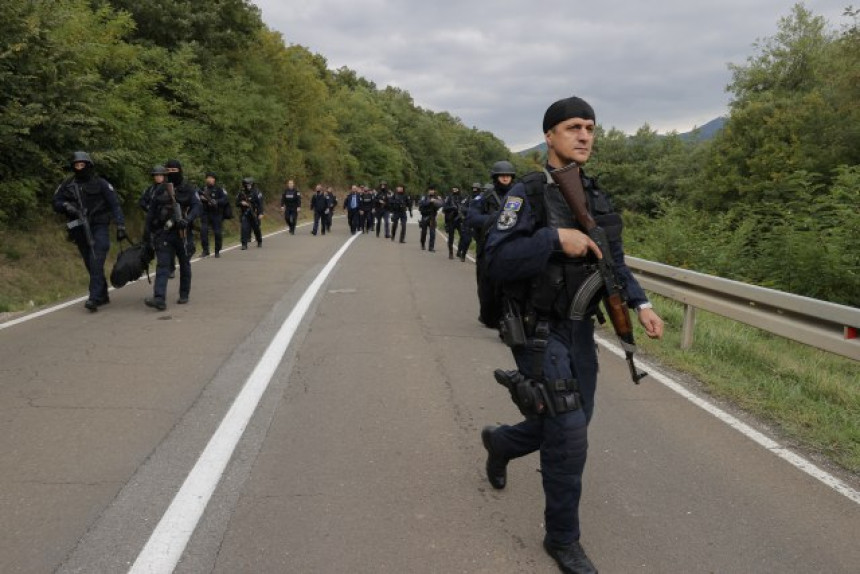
pixel 174 207
pixel 380 207
pixel 291 205
pixel 366 208
pixel 158 173
pixel 453 211
pixel 320 207
pixel 331 200
pixel 88 202
pixel 398 203
pixel 428 208
pixel 250 201
pixel 538 248
pixel 214 198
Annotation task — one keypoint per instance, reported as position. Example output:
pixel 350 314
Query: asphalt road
pixel 363 454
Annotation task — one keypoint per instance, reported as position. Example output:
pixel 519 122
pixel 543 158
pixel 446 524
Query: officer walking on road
pixel 291 205
pixel 174 207
pixel 250 201
pixel 538 248
pixel 366 208
pixel 158 173
pixel 483 211
pixel 213 198
pixel 398 204
pixel 381 209
pixel 320 207
pixel 453 211
pixel 89 202
pixel 331 200
pixel 428 208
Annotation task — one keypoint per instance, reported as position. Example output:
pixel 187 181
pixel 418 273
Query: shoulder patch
pixel 513 204
pixel 507 219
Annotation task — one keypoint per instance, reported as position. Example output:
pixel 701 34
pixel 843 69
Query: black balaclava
pixel 176 177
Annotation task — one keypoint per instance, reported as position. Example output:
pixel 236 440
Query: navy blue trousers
pixel 168 245
pixel 561 440
pixel 95 267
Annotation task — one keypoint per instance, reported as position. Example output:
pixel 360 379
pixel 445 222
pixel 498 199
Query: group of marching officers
pixel 172 204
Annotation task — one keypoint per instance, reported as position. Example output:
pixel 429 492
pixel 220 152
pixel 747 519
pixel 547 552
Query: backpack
pixel 227 210
pixel 131 263
pixel 491 294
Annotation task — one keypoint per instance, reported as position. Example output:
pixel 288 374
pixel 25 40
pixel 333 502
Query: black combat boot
pixel 571 558
pixel 91 305
pixel 497 466
pixel 155 303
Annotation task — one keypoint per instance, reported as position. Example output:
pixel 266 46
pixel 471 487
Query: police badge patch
pixel 507 219
pixel 513 204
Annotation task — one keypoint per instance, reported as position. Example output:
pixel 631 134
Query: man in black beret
pixel 214 199
pixel 541 253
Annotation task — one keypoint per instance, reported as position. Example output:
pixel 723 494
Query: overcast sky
pixel 498 64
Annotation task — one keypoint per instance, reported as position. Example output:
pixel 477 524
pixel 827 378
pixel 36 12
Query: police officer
pixel 428 208
pixel 380 207
pixel 214 198
pixel 89 202
pixel 366 207
pixel 453 211
pixel 250 201
pixel 331 200
pixel 158 173
pixel 352 204
pixel 174 207
pixel 398 204
pixel 538 248
pixel 320 207
pixel 482 213
pixel 291 205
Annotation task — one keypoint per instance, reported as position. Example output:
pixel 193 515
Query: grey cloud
pixel 497 66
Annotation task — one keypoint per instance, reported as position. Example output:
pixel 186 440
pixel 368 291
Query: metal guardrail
pixel 827 326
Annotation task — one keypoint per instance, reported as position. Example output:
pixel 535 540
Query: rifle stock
pixel 570 186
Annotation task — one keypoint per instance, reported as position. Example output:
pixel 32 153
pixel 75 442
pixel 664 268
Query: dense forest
pixel 137 81
pixel 772 199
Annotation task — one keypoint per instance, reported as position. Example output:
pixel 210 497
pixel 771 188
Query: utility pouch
pixel 511 325
pixel 563 395
pixel 530 397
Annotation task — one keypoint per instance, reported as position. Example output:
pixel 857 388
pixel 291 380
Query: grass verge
pixel 810 395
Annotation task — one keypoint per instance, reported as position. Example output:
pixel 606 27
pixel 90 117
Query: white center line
pixel 165 546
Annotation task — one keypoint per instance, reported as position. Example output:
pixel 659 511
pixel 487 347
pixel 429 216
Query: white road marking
pixel 779 450
pixel 165 546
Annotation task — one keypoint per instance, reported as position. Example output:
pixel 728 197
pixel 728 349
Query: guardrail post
pixel 688 327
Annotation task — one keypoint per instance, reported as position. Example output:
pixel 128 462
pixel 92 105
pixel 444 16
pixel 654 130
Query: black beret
pixel 572 107
pixel 174 163
pixel 211 174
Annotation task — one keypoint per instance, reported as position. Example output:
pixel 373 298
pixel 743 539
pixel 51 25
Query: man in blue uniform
pixel 214 198
pixel 291 204
pixel 539 250
pixel 89 202
pixel 428 208
pixel 380 208
pixel 398 204
pixel 250 202
pixel 320 206
pixel 174 207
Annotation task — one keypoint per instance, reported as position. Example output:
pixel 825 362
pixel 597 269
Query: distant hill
pixel 701 133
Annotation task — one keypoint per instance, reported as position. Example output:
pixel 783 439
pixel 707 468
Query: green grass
pixel 811 395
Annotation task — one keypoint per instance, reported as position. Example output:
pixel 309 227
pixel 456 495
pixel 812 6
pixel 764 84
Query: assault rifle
pixel 177 215
pixel 83 220
pixel 570 185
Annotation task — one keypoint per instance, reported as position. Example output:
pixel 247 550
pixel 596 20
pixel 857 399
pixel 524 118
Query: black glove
pixel 120 233
pixel 70 209
pixel 182 223
pixel 146 236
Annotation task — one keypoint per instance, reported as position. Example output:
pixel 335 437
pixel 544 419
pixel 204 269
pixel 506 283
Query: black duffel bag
pixel 131 263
